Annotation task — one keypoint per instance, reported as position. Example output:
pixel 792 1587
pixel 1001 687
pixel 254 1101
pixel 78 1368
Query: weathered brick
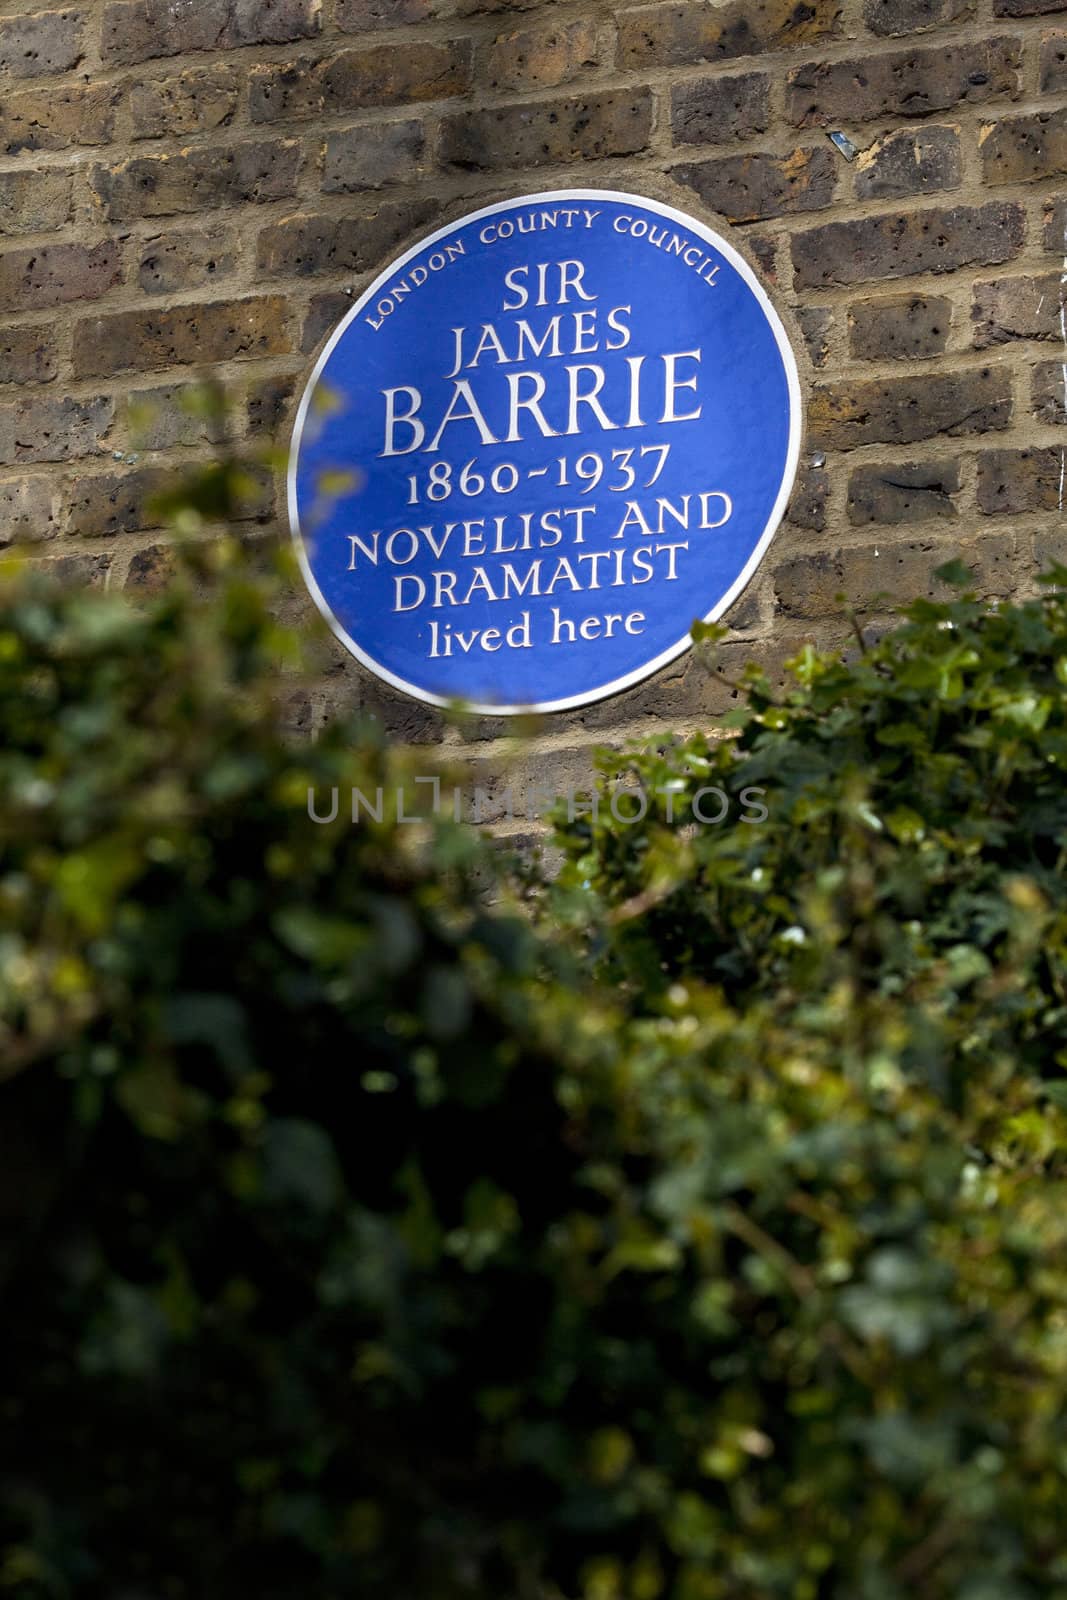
pixel 1048 392
pixel 895 246
pixel 298 712
pixel 488 8
pixel 526 788
pixel 676 35
pixel 268 406
pixel 56 273
pixel 27 355
pixel 773 653
pixel 719 110
pixel 543 57
pixel 27 511
pixel 164 416
pixel 765 250
pixel 397 714
pixel 1054 234
pixel 255 502
pixel 903 327
pixel 750 188
pixel 683 694
pixel 148 341
pixel 1016 308
pixel 907 492
pixel 1050 549
pixel 842 416
pixel 151 570
pixel 53 430
pixel 810 498
pixel 55 118
pixel 1053 77
pixel 1022 149
pixel 81 571
pixel 361 16
pixel 615 123
pixel 103 506
pixel 32 202
pixel 196 180
pixel 145 30
pixel 1014 481
pixel 886 575
pixel 112 503
pixel 1026 8
pixel 910 161
pixel 176 261
pixel 355 79
pixel 305 245
pixel 324 313
pixel 991 560
pixel 197 101
pixel 746 613
pixel 44 42
pixel 371 156
pixel 893 17
pixel 906 83
pixel 816 324
pixel 810 585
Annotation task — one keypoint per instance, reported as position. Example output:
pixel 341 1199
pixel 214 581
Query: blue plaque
pixel 542 443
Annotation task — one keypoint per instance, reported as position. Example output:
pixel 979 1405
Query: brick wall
pixel 203 184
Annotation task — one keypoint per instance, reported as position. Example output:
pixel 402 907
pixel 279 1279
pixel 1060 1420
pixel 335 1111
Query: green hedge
pixel 693 1231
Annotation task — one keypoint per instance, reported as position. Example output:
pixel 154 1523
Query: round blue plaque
pixel 543 442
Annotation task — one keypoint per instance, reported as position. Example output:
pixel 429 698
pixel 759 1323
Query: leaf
pixel 956 573
pixel 300 1166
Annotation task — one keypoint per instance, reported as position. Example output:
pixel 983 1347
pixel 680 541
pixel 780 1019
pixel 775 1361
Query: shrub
pixel 696 1235
pixel 252 1065
pixel 916 824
